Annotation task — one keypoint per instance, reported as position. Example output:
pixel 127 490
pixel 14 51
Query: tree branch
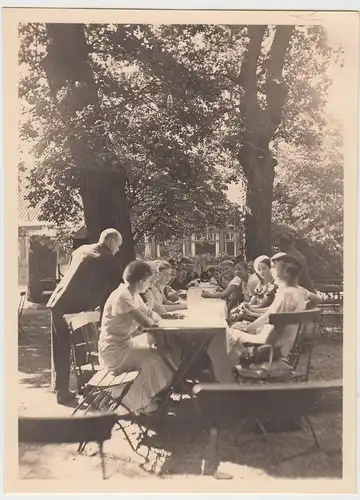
pixel 276 89
pixel 248 73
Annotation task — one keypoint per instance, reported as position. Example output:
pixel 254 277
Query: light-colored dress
pixel 224 352
pixel 122 348
pixel 248 288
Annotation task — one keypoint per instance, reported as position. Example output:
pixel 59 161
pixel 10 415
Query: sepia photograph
pixel 179 259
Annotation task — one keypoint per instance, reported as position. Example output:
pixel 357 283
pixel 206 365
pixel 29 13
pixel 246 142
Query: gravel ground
pixel 176 452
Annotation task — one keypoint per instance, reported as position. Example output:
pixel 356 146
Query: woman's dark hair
pixel 136 271
pixel 292 270
pixel 243 264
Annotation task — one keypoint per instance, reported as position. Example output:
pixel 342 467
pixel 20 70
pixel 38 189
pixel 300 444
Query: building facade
pixel 214 242
pixel 30 226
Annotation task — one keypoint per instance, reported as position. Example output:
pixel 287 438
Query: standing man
pixel 286 245
pixel 94 272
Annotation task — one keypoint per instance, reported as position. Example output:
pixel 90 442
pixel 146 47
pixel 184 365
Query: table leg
pixel 184 368
pixel 211 465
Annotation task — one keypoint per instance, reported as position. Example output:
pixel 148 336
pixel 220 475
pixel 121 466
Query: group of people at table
pixel 151 290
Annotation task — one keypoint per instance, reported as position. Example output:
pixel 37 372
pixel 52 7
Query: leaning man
pixel 94 272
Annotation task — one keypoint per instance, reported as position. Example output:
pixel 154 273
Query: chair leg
pixel 84 401
pixel 102 458
pixel 267 440
pixel 312 449
pixel 316 441
pixel 81 447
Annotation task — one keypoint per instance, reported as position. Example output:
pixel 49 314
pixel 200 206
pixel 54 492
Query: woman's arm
pixel 258 323
pixel 253 301
pixel 256 309
pixel 315 299
pixel 159 308
pixel 264 303
pixel 149 299
pixel 220 295
pixel 142 318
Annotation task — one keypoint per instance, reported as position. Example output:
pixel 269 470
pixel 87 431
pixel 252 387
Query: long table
pixel 202 316
pixel 203 319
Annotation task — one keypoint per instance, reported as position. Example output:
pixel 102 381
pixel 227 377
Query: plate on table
pixel 173 316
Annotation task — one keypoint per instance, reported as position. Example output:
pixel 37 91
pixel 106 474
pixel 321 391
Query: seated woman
pixel 157 288
pixel 232 287
pixel 148 296
pixel 289 298
pixel 170 293
pixel 241 287
pixel 263 296
pixel 123 348
pixel 227 273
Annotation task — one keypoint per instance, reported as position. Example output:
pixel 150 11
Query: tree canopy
pixel 181 108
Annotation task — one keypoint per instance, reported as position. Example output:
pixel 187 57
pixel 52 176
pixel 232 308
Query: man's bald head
pixel 112 239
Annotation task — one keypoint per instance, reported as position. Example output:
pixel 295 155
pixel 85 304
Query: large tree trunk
pixel 105 206
pixel 101 177
pixel 257 225
pixel 260 125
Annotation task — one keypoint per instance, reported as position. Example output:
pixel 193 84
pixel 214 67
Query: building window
pixel 212 236
pixel 205 247
pixel 230 248
pixel 230 236
pixel 209 236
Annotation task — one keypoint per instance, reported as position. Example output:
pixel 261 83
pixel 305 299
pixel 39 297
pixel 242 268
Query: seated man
pixel 289 298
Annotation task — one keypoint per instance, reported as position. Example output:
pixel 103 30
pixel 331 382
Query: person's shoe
pixel 65 397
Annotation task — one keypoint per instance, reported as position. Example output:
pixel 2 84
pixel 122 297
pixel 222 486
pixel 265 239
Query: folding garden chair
pixel 47 430
pixel 331 308
pixel 307 323
pixel 94 384
pixel 84 336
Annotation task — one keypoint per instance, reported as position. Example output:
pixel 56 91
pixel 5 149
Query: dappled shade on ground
pixel 175 449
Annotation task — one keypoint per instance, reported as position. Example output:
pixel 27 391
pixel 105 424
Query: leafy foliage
pixel 308 200
pixel 179 161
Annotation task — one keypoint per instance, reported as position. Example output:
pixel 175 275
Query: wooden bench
pixel 47 430
pixel 221 405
